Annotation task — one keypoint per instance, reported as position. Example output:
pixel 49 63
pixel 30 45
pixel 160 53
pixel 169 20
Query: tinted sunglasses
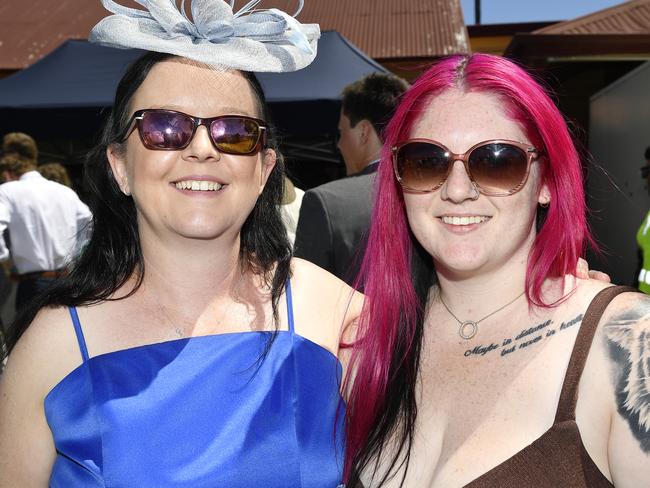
pixel 496 167
pixel 169 130
pixel 645 171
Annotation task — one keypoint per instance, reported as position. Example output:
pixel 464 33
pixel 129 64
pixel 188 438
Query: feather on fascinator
pixel 249 40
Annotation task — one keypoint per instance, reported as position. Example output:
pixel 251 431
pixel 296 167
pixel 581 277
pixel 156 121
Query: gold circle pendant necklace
pixel 468 328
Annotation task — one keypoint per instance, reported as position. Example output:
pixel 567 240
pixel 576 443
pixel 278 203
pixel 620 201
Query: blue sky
pixel 506 11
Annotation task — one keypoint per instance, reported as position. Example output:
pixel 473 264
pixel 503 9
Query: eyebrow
pixel 225 110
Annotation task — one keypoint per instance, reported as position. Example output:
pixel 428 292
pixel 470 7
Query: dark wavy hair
pixel 373 98
pixel 113 252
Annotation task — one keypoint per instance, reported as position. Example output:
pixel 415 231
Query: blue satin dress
pixel 201 412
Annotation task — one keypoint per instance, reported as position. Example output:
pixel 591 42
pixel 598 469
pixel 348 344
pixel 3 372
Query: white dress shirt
pixel 46 222
pixel 290 212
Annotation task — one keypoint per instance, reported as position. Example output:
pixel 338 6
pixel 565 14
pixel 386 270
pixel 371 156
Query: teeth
pixel 195 185
pixel 463 220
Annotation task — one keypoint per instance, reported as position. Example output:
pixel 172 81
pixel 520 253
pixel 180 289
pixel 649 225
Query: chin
pixel 212 229
pixel 459 268
pixel 464 263
pixel 459 255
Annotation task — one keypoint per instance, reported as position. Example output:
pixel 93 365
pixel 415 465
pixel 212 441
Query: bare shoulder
pixel 626 326
pixel 325 299
pixel 626 312
pixel 613 410
pixel 625 330
pixel 579 294
pixel 324 287
pixel 47 351
pixel 41 358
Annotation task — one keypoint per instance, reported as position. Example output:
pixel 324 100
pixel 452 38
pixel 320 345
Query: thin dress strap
pixel 566 409
pixel 79 332
pixel 287 288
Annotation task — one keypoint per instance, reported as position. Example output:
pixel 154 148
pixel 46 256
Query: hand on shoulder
pixel 583 272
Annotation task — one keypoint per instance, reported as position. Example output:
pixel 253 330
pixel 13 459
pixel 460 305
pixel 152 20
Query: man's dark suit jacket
pixel 334 222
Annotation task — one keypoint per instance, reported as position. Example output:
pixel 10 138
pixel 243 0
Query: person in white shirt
pixel 45 220
pixel 290 208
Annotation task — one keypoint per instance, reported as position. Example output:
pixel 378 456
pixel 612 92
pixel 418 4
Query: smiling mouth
pixel 198 185
pixel 474 219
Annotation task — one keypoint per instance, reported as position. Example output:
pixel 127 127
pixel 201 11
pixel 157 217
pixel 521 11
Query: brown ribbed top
pixel 558 458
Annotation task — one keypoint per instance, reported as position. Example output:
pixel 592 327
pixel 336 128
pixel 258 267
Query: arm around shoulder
pixel 42 356
pixel 627 332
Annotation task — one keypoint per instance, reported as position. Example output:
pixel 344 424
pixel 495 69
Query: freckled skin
pixel 481 401
pixel 460 120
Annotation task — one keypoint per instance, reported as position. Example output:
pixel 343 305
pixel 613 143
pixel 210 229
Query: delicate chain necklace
pixel 473 324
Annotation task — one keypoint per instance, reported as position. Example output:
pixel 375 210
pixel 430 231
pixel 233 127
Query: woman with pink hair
pixel 481 359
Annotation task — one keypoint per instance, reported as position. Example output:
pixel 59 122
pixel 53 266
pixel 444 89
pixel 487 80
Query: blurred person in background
pixel 55 172
pixel 290 208
pixel 643 235
pixel 20 144
pixel 24 146
pixel 45 221
pixel 334 217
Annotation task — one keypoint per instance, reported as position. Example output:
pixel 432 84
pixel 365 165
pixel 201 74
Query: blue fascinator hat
pixel 268 40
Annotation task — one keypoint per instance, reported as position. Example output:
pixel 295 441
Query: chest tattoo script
pixel 525 338
pixel 628 340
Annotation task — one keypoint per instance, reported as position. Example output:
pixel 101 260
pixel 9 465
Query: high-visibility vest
pixel 643 240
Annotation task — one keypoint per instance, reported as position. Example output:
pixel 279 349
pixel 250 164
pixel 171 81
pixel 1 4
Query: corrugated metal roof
pixel 32 29
pixel 387 29
pixel 627 18
pixel 383 29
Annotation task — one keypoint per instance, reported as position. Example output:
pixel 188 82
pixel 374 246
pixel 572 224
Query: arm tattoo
pixel 628 339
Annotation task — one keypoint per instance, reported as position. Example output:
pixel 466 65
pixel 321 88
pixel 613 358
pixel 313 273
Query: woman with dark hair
pixel 186 347
pixel 482 360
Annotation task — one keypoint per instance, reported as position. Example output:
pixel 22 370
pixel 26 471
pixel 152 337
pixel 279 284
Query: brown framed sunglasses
pixel 497 167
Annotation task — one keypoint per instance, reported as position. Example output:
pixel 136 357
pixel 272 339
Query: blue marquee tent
pixel 63 98
pixel 81 74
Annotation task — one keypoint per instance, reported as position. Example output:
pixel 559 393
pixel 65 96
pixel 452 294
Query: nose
pixel 458 186
pixel 201 148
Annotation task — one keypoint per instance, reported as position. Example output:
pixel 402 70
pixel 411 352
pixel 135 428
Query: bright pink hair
pixel 390 338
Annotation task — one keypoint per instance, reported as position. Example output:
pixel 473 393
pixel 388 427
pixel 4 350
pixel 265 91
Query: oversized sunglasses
pixel 496 167
pixel 169 130
pixel 645 171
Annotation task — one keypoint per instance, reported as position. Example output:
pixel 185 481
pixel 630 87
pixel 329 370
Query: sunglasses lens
pixel 235 135
pixel 498 167
pixel 421 165
pixel 166 130
pixel 645 171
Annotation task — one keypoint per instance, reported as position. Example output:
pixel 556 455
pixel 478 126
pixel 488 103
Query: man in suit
pixel 335 217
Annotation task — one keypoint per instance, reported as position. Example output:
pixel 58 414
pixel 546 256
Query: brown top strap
pixel 566 409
